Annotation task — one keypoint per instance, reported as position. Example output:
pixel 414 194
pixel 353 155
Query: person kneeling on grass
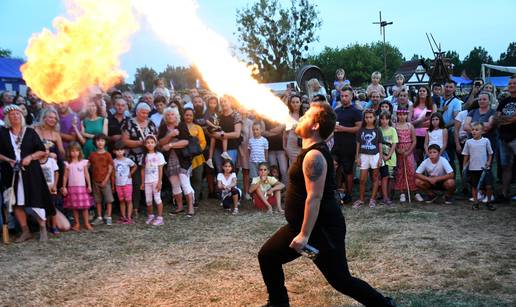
pixel 435 173
pixel 230 194
pixel 266 190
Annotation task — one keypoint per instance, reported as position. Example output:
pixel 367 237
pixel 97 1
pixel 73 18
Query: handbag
pixel 192 149
pixel 9 196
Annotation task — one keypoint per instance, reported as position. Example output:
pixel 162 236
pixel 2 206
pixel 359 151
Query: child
pixel 258 150
pixel 102 170
pixel 77 186
pixel 369 142
pixel 389 144
pixel 396 89
pixel 340 81
pixel 212 123
pixel 160 89
pixel 124 170
pixel 437 134
pixel 227 184
pixel 375 85
pixel 152 175
pixel 243 150
pixel 478 156
pixel 266 190
pixel 406 165
pixel 435 173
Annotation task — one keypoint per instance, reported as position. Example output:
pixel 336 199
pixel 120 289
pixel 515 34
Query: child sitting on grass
pixel 266 190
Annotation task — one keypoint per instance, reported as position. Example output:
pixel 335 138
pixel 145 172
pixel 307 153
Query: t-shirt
pixel 152 163
pixel 368 140
pixel 226 181
pixel 76 176
pixel 507 107
pixel 227 123
pixel 476 117
pixel 378 88
pixel 461 117
pixel 450 106
pixel 478 150
pixel 49 168
pixel 346 117
pixel 441 168
pixel 265 185
pixel 115 126
pixel 123 171
pixel 257 149
pixel 156 119
pixel 390 137
pixel 276 141
pixel 436 137
pixel 65 124
pixel 100 163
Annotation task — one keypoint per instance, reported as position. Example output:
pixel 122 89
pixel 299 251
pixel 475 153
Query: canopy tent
pixel 10 75
pixel 508 69
pixel 499 81
pixel 461 81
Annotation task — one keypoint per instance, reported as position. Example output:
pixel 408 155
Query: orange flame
pixel 211 54
pixel 83 52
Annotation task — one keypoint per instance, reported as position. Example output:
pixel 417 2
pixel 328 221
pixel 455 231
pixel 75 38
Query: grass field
pixel 423 255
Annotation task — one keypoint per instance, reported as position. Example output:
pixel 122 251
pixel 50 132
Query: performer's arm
pixel 314 169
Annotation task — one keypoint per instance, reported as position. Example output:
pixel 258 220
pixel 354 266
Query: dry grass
pixel 423 255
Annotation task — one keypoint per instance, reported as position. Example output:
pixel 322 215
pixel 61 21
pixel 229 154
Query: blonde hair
pixel 44 114
pixel 478 124
pixel 175 111
pixel 7 122
pixel 376 74
pixel 399 76
pixel 313 82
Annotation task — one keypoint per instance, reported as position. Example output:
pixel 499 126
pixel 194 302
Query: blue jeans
pixel 233 153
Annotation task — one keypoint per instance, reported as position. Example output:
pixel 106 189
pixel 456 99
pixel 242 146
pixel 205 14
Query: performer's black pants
pixel 331 261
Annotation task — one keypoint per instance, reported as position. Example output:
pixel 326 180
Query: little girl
pixel 124 170
pixel 369 142
pixel 213 124
pixel 77 186
pixel 406 165
pixel 227 184
pixel 266 190
pixel 437 134
pixel 389 143
pixel 152 175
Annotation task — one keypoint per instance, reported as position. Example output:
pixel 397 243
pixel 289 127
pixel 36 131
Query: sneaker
pixel 430 198
pixel 226 156
pixel 97 221
pixel 149 219
pixel 419 198
pixel 247 196
pixel 448 200
pixel 372 203
pixel 128 222
pixel 209 162
pixel 357 204
pixel 158 221
pixel 475 206
pixel 121 221
pixel 109 221
pixel 235 211
pixel 387 202
pixel 490 207
pixel 55 231
pixel 403 199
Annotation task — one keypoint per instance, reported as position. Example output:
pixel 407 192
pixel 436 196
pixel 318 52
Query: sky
pixel 458 25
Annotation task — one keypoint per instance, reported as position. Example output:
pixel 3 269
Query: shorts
pixel 227 200
pixel 346 161
pixel 125 192
pixel 507 151
pixel 474 178
pixel 150 193
pixel 259 204
pixel 387 171
pixel 369 161
pixel 100 193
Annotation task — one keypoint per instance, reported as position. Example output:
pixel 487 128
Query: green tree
pixel 147 75
pixel 474 60
pixel 5 53
pixel 358 60
pixel 181 77
pixel 454 58
pixel 276 39
pixel 508 58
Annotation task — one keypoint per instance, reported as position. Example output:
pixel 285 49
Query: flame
pixel 83 52
pixel 224 74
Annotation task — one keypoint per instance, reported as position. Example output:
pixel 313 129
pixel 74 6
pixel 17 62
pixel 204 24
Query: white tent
pixel 509 69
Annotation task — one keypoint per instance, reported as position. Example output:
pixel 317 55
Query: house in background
pixel 415 73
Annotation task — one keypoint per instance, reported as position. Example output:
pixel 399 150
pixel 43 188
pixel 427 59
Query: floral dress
pixel 408 162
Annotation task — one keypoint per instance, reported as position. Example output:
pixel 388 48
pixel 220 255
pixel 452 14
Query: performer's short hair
pixel 326 119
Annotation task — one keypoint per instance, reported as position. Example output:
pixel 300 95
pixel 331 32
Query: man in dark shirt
pixel 349 120
pixel 116 120
pixel 506 120
pixel 314 218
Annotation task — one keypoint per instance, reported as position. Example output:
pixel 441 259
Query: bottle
pixel 309 252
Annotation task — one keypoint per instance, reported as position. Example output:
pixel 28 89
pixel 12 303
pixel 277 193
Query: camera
pixel 478 83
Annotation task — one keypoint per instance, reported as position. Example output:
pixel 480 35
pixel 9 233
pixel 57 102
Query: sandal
pixel 76 227
pixel 190 215
pixel 358 204
pixel 372 203
pixel 177 211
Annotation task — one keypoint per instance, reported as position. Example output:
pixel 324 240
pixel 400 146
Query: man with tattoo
pixel 314 218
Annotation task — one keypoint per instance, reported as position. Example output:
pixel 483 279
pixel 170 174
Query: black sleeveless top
pixel 330 214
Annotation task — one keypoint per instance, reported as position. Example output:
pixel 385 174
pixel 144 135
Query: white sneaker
pixel 419 198
pixel 97 221
pixel 402 198
pixel 226 156
pixel 209 162
pixel 150 218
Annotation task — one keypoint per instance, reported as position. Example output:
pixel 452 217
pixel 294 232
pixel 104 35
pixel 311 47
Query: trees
pixel 276 39
pixel 474 60
pixel 147 75
pixel 181 77
pixel 5 53
pixel 508 58
pixel 358 60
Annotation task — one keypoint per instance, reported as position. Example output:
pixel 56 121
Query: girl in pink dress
pixel 405 155
pixel 77 186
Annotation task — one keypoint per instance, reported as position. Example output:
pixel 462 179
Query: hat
pixel 11 107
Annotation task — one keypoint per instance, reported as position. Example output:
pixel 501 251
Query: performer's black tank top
pixel 330 214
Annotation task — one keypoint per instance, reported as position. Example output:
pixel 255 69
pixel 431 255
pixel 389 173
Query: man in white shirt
pixel 435 173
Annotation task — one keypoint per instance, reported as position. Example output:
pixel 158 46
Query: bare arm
pixel 445 140
pixel 354 129
pixel 456 136
pixel 130 143
pixel 314 169
pixel 105 126
pixel 59 144
pixel 467 124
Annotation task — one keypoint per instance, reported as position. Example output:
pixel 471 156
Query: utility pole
pixel 383 24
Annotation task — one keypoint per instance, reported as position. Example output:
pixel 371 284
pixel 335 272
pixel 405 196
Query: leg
pixel 277 195
pixel 385 188
pixel 283 166
pixel 375 183
pixel 123 214
pixel 273 254
pixel 224 145
pixel 363 181
pixel 21 217
pixel 263 200
pixel 188 191
pixel 61 222
pixel 212 148
pixel 177 192
pixel 86 219
pixel 245 178
pixel 449 185
pixel 424 186
pixel 129 210
pixel 76 225
pixel 196 181
pixel 349 184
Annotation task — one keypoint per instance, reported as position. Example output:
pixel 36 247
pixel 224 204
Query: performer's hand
pixel 299 242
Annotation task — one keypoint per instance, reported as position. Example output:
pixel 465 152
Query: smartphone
pixel 292 86
pixel 428 113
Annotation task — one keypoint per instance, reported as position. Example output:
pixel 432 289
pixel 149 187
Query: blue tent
pixel 10 74
pixel 499 81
